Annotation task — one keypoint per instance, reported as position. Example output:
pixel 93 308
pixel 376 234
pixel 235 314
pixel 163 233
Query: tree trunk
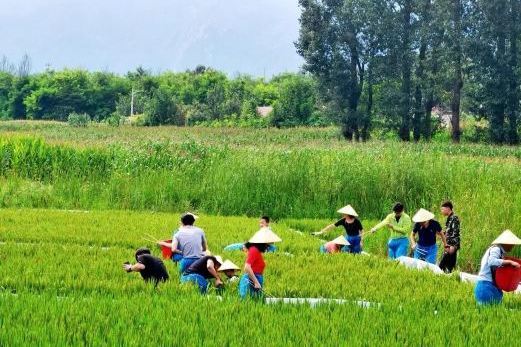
pixel 513 94
pixel 457 83
pixel 418 95
pixel 405 101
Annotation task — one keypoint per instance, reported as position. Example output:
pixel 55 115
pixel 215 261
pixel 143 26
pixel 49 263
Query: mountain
pixel 236 36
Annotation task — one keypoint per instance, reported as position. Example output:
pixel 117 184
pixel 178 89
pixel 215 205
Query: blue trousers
pixel 398 247
pixel 246 287
pixel 176 257
pixel 354 244
pixel 426 253
pixel 240 246
pixel 201 282
pixel 185 264
pixel 486 293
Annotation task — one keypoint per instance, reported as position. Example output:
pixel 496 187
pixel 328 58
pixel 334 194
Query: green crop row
pixel 61 283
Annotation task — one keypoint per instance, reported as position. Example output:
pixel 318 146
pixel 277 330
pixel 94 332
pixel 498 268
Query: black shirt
pixel 427 235
pixel 154 268
pixel 200 267
pixel 352 229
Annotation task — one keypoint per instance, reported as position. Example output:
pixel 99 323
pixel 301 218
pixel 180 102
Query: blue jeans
pixel 176 257
pixel 427 253
pixel 354 244
pixel 486 293
pixel 185 264
pixel 323 249
pixel 201 282
pixel 246 286
pixel 398 247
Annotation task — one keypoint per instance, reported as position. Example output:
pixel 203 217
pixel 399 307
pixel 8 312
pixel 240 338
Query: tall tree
pixel 406 69
pixel 330 43
pixel 456 37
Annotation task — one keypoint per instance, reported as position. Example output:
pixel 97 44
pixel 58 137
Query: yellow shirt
pixel 404 225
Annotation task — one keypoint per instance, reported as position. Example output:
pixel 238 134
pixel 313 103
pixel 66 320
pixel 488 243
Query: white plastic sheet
pixel 418 264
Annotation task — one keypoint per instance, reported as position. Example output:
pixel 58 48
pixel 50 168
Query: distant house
pixel 264 111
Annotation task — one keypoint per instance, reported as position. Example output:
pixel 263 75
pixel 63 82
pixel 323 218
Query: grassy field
pixel 296 173
pixel 76 203
pixel 61 283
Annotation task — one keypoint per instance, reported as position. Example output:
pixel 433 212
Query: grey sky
pixel 247 36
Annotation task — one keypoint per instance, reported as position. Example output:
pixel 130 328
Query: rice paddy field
pixel 76 203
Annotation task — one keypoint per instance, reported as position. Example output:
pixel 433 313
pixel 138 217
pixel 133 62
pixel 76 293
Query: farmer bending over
pixel 151 268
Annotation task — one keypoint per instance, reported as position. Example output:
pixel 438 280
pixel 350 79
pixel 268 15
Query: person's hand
pixel 127 267
pixel 390 226
pixel 162 243
pixel 218 282
pixel 316 233
pixel 373 230
pixel 257 285
pixel 413 245
pixel 514 264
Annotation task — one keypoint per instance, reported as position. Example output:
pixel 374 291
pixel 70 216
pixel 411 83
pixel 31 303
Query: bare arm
pixel 443 239
pixel 325 230
pixel 137 267
pixel 175 244
pixel 251 275
pixel 211 269
pixel 413 240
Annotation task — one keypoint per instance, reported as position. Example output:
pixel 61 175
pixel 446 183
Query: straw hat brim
pixel 341 240
pixel 422 216
pixel 265 235
pixel 507 237
pixel 228 265
pixel 349 210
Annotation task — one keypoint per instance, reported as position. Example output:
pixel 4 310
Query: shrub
pixel 78 119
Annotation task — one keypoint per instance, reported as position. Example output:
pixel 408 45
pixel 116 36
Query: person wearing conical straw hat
pixel 229 269
pixel 264 222
pixel 252 280
pixel 400 225
pixel 353 228
pixel 486 291
pixel 334 246
pixel 425 248
pixel 202 270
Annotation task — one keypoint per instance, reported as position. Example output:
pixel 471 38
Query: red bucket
pixel 508 277
pixel 166 251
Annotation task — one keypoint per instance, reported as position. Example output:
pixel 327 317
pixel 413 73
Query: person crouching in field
pixel 151 268
pixel 352 226
pixel 252 280
pixel 202 270
pixel 486 291
pixel 264 222
pixel 452 234
pixel 334 246
pixel 400 225
pixel 427 229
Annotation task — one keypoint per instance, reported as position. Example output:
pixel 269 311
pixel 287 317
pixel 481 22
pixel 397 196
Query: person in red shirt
pixel 252 280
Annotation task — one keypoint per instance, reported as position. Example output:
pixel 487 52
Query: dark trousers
pixel 448 261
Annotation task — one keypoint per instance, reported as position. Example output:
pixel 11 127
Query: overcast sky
pixel 246 36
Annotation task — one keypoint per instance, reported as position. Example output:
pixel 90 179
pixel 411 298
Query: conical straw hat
pixel 422 216
pixel 341 240
pixel 265 235
pixel 348 210
pixel 228 265
pixel 507 238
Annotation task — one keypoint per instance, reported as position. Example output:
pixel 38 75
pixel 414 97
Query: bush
pixel 78 119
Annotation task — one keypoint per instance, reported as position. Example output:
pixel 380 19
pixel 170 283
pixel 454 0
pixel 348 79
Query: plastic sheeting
pixel 418 264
